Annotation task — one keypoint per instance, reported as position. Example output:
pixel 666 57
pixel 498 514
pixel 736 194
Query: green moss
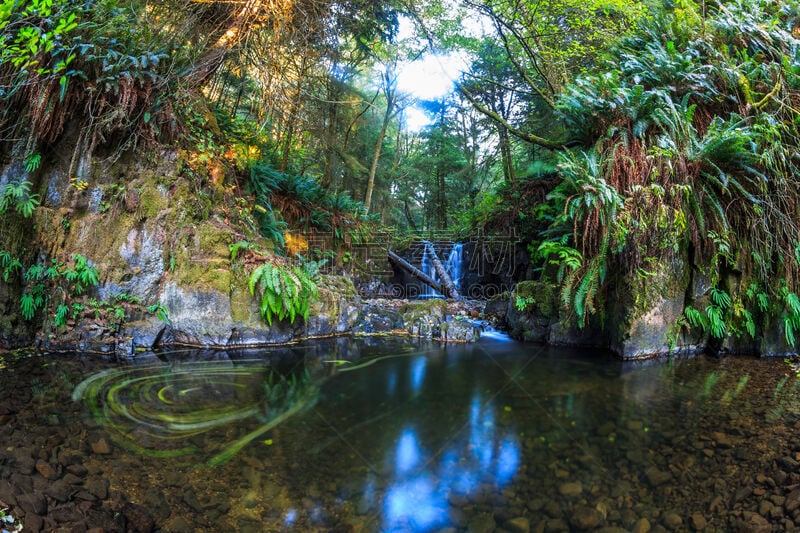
pixel 536 296
pixel 668 277
pixel 151 200
pixel 332 290
pixel 423 308
pixel 341 285
pixel 244 308
pixel 202 258
pixel 502 297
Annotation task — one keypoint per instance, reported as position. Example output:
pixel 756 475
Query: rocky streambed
pixel 484 437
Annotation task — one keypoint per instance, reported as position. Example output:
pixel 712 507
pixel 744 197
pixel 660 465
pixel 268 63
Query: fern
pixel 695 318
pixel 9 264
pixel 789 327
pixel 18 195
pixel 160 311
pixel 82 275
pixel 61 315
pixel 792 303
pixel 286 292
pixel 749 323
pixel 31 301
pixel 27 306
pixel 720 298
pixel 716 322
pixel 32 162
pixel 241 246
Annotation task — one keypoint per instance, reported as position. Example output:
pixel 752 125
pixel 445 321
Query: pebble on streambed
pixel 8 523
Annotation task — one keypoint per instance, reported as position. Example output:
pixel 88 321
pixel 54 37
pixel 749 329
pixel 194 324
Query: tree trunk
pixel 227 36
pixel 294 110
pixel 448 287
pixel 414 271
pixel 390 92
pixel 373 169
pixel 505 154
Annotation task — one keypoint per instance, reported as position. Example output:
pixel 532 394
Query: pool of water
pixel 383 434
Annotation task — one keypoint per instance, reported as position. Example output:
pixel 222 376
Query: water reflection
pixel 481 455
pixel 418 373
pixel 408 453
pixel 391 383
pixel 401 441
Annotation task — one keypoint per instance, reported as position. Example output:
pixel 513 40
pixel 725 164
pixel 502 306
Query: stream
pixel 392 434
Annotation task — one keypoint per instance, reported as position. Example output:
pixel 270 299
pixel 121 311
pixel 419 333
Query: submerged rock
pixel 138 518
pixel 571 490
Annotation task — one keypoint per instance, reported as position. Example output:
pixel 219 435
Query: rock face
pixel 643 315
pixel 645 308
pixel 531 310
pixel 154 242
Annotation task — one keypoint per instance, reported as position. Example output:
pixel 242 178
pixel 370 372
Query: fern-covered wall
pixel 161 257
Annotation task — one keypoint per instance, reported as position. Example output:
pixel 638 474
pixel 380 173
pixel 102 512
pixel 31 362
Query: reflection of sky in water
pixel 407 452
pixel 391 385
pixel 291 516
pixel 417 498
pixel 418 373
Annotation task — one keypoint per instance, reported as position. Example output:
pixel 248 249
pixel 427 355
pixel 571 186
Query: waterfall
pixel 453 266
pixel 427 268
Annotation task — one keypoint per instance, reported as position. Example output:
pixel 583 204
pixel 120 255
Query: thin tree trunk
pixel 390 91
pixel 373 169
pixel 448 287
pixel 414 271
pixel 505 154
pixel 292 119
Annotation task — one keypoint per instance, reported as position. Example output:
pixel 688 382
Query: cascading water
pixel 453 266
pixel 427 268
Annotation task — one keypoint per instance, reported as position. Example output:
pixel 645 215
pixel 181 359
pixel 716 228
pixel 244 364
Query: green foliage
pixel 286 292
pixel 303 202
pixel 32 162
pixel 688 142
pixel 10 265
pixel 160 311
pixel 60 319
pixel 33 27
pixel 95 63
pixel 524 303
pixel 240 246
pixel 17 194
pixel 41 282
pixel 82 275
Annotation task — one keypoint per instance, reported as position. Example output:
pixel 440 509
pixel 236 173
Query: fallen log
pixel 414 271
pixel 449 288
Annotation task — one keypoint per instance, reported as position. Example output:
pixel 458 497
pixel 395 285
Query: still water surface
pixel 390 434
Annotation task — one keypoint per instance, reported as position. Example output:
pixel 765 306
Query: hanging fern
pixel 17 195
pixel 286 292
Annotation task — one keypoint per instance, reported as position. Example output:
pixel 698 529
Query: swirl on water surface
pixel 169 410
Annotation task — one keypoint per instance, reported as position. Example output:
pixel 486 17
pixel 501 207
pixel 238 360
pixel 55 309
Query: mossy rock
pixel 152 199
pixel 536 297
pixel 642 315
pixel 433 307
pixel 341 285
pixel 335 292
pixel 202 258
